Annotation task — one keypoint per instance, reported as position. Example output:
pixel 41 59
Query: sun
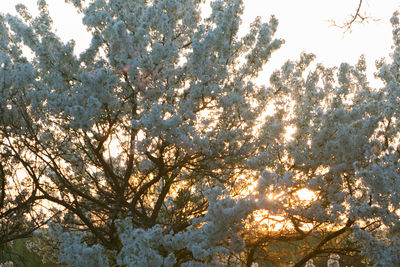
pixel 264 220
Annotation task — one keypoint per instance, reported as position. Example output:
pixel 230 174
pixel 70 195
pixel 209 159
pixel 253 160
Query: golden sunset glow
pixel 306 195
pixel 289 132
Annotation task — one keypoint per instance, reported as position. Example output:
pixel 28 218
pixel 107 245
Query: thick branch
pixel 317 250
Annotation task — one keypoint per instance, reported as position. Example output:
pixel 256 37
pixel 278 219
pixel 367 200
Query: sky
pixel 303 24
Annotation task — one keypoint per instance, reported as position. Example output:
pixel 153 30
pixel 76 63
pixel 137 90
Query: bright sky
pixel 304 24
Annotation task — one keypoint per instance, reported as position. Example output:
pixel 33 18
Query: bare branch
pixel 357 17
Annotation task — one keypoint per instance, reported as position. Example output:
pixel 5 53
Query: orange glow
pixel 306 195
pixel 289 131
pixel 269 222
pixel 264 221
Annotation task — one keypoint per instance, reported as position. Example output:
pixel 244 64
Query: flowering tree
pixel 154 147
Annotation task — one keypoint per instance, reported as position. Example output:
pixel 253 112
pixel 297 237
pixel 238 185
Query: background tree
pixel 20 213
pixel 145 147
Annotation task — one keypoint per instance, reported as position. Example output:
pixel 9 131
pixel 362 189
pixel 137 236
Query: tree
pixel 154 147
